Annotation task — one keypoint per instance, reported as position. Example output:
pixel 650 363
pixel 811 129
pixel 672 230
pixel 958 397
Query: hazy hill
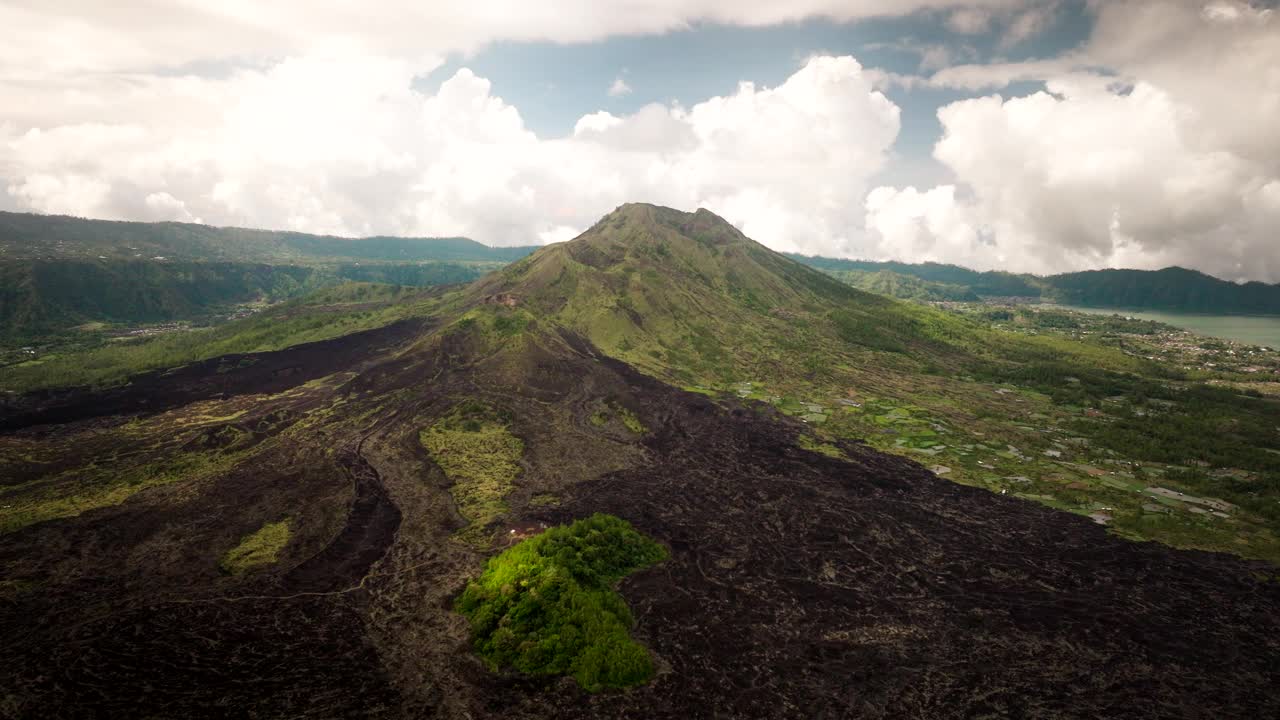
pixel 59 272
pixel 990 283
pixel 45 296
pixel 1168 289
pixel 1174 288
pixel 905 287
pixel 39 298
pixel 30 236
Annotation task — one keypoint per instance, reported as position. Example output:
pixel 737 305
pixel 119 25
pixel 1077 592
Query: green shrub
pixel 631 421
pixel 546 606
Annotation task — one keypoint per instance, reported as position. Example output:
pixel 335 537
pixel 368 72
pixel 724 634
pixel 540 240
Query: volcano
pixel 797 583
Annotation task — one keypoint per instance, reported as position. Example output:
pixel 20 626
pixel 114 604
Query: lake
pixel 1251 329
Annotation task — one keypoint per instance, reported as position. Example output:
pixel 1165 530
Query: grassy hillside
pixel 687 296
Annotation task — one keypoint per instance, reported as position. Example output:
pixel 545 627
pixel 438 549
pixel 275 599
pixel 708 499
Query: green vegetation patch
pixel 80 491
pixel 547 607
pixel 509 324
pixel 815 445
pixel 629 420
pixel 261 548
pixel 544 500
pixel 477 451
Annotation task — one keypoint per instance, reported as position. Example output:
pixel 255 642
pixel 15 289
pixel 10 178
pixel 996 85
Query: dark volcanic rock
pixel 219 377
pixel 799 586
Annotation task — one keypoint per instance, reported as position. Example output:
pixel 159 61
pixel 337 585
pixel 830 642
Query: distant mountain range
pixel 60 272
pixel 903 286
pixel 44 297
pixel 25 236
pixel 1174 288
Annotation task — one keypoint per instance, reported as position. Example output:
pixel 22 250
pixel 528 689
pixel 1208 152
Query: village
pixel 1145 339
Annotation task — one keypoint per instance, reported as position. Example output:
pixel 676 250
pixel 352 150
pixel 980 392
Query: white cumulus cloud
pixel 128 36
pixel 1170 158
pixel 619 87
pixel 344 145
pixel 1154 142
pixel 928 226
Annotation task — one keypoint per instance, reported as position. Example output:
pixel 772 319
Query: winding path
pixel 372 521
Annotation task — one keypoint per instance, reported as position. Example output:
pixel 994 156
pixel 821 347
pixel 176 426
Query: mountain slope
pixel 687 296
pixel 837 581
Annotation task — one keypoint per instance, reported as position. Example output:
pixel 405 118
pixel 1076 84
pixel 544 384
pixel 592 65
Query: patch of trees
pixel 1048 319
pixel 1197 426
pixel 546 607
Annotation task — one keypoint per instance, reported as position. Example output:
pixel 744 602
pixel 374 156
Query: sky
pixel 1025 135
